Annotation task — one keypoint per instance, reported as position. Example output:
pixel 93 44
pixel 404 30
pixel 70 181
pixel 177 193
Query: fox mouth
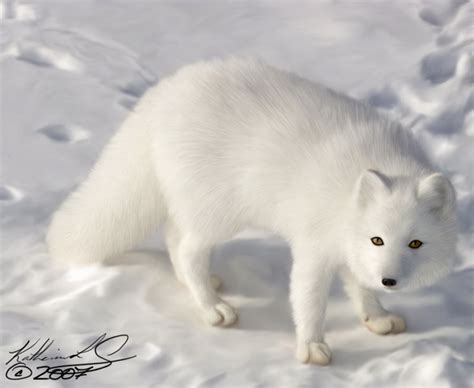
pixel 391 289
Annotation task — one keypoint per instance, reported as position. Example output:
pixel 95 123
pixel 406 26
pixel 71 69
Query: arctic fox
pixel 224 145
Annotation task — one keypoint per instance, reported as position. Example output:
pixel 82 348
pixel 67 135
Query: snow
pixel 70 72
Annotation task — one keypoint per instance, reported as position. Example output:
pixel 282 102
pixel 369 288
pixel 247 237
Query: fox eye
pixel 377 241
pixel 415 244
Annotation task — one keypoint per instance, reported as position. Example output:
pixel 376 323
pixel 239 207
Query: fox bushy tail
pixel 118 204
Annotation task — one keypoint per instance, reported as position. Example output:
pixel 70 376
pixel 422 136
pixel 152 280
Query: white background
pixel 70 72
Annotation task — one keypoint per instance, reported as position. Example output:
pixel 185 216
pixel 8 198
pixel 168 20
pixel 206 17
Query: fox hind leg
pixel 173 239
pixel 193 256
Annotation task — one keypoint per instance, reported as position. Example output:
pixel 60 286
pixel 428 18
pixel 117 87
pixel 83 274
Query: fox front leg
pixel 311 278
pixel 368 307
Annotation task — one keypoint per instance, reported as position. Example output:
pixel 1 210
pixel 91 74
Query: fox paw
pixel 220 314
pixel 385 324
pixel 314 352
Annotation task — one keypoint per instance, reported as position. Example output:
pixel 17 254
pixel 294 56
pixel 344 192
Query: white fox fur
pixel 225 145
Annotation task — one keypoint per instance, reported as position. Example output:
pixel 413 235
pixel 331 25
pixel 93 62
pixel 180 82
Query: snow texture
pixel 70 73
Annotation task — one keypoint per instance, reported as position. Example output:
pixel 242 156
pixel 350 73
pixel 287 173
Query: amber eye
pixel 376 241
pixel 415 244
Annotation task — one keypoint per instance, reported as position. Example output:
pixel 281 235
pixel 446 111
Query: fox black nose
pixel 389 282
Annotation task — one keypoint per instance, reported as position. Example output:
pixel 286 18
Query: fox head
pixel 403 230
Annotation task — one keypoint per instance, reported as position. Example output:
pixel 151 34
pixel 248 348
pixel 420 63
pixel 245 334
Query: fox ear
pixel 370 184
pixel 438 192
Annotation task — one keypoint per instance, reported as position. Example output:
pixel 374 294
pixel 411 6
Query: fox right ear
pixel 438 192
pixel 370 184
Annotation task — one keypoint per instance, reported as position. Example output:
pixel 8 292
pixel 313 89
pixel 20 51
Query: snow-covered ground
pixel 71 71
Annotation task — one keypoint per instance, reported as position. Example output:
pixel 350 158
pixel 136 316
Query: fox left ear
pixel 438 191
pixel 370 184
